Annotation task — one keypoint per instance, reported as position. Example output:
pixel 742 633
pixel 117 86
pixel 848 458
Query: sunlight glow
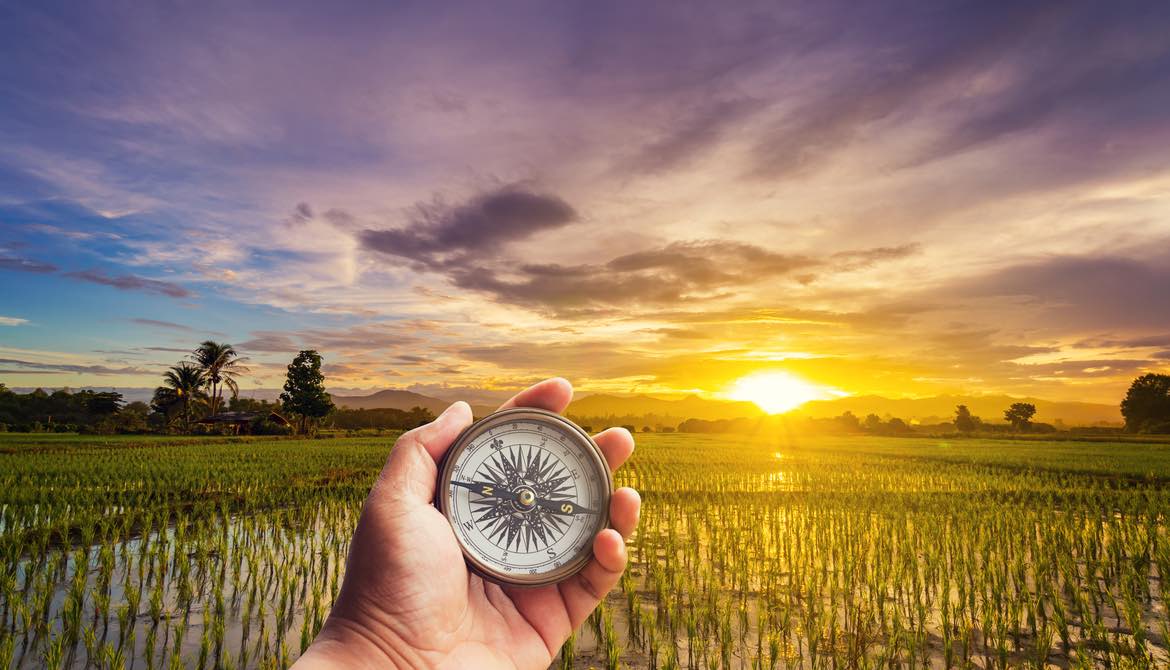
pixel 776 392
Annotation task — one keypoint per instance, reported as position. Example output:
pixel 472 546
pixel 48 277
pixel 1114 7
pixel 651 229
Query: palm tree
pixel 220 364
pixel 182 384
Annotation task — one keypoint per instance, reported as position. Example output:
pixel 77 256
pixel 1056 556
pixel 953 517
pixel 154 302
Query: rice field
pixel 767 551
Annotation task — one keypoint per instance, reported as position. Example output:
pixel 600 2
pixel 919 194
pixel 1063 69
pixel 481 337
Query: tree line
pixel 200 394
pixel 194 389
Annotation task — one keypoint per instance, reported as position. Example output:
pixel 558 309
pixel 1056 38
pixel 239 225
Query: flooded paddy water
pixel 753 552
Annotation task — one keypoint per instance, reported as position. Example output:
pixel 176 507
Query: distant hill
pixel 645 409
pixel 942 408
pixel 661 409
pixel 399 399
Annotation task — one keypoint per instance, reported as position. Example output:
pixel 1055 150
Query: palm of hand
pixel 408 593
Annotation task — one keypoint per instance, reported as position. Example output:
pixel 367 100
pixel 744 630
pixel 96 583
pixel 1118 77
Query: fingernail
pixel 447 411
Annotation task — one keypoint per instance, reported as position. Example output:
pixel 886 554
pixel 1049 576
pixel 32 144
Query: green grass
pixel 770 550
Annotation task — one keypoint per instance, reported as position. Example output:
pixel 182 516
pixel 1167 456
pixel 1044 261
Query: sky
pixel 905 199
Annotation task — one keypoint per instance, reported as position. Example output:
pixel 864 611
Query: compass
pixel 526 491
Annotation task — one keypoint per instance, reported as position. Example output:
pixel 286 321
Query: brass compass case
pixel 527 478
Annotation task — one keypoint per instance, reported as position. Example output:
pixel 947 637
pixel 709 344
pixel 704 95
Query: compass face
pixel 526 491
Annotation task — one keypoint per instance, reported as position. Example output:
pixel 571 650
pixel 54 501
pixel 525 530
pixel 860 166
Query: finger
pixel 411 468
pixel 617 444
pixel 553 394
pixel 583 591
pixel 624 508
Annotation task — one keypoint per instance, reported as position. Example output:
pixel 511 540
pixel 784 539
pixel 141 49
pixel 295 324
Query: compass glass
pixel 526 491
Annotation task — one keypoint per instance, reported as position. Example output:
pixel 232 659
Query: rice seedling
pixel 846 552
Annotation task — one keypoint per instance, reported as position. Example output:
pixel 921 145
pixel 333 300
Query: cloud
pixel 301 215
pixel 865 258
pixel 358 339
pixel 564 289
pixel 698 130
pixel 131 283
pixel 25 265
pixel 440 235
pixel 1083 293
pixel 1141 342
pixel 269 342
pixel 39 368
pixel 163 324
pixel 673 274
pixel 12 321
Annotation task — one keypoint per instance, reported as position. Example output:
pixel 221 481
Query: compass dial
pixel 526 491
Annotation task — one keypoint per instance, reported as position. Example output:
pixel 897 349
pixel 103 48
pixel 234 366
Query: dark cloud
pixel 1080 293
pixel 301 214
pixel 25 265
pixel 981 72
pixel 1163 355
pixel 1138 342
pixel 1086 67
pixel 131 283
pixel 694 271
pixel 168 349
pixel 895 65
pixel 440 235
pixel 679 271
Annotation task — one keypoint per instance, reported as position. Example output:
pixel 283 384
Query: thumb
pixel 412 467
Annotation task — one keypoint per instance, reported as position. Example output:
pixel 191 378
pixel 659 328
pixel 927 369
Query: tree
pixel 897 426
pixel 1146 406
pixel 304 389
pixel 964 422
pixel 182 386
pixel 1020 415
pixel 849 422
pixel 103 404
pixel 221 364
pixel 873 423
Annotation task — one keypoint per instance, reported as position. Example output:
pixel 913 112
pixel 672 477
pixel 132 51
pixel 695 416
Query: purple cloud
pixel 131 283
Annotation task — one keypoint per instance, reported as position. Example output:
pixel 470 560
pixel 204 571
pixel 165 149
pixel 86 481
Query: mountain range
pixel 402 399
pixel 668 411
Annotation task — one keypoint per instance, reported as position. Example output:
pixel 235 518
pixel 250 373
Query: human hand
pixel 408 600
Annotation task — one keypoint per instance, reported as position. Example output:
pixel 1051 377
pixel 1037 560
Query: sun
pixel 776 392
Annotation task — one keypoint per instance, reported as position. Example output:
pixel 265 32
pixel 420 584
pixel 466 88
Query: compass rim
pixel 446 466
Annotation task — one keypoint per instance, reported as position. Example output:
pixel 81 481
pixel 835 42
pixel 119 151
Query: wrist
pixel 346 643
